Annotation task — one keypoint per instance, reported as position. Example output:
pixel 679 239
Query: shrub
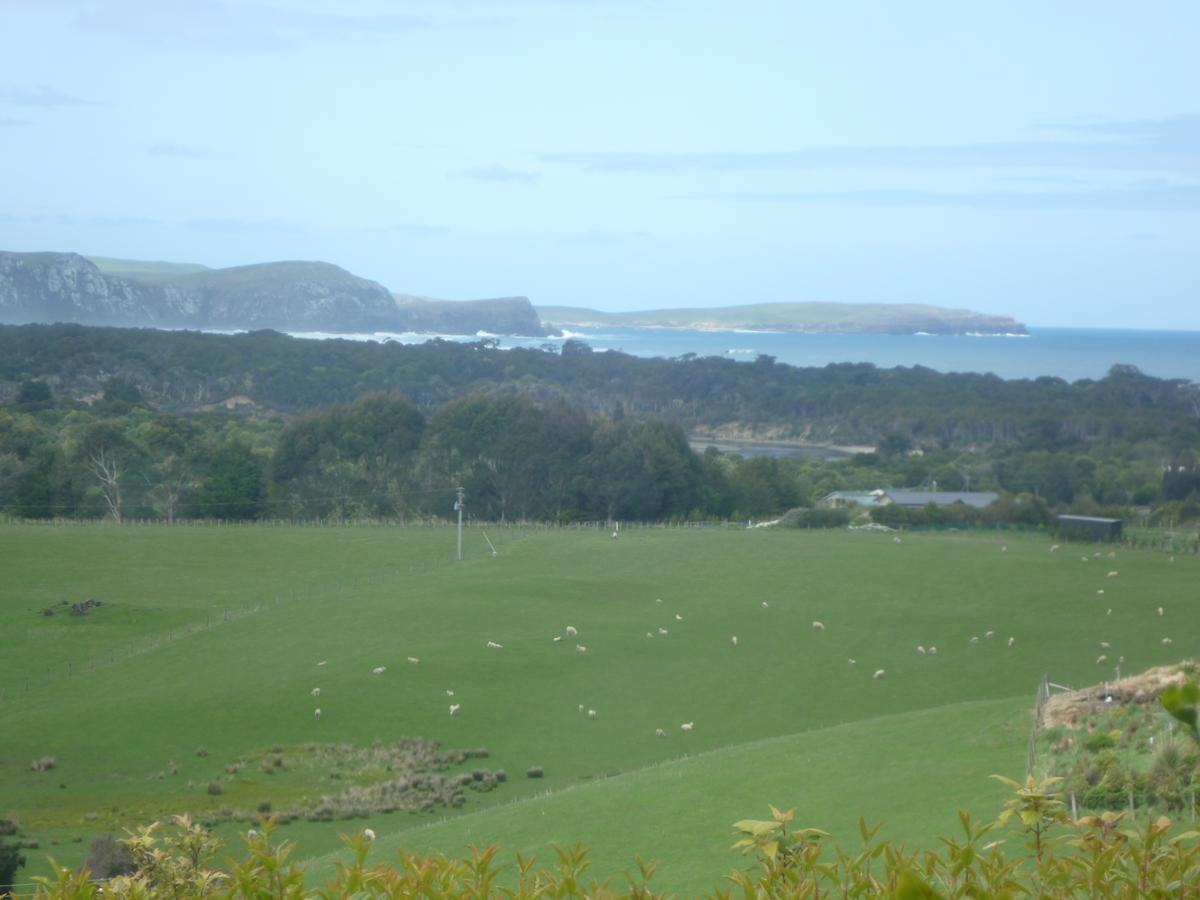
pixel 214 788
pixel 8 827
pixel 201 752
pixel 804 517
pixel 108 858
pixel 1099 740
pixel 264 807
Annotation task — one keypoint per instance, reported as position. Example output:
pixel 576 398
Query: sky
pixel 1033 159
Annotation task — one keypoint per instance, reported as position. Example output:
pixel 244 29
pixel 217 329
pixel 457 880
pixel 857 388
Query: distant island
pixel 814 318
pixel 307 296
pixel 283 296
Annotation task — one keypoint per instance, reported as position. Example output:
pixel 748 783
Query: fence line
pixel 1039 705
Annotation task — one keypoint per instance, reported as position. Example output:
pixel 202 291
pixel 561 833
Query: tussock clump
pixel 108 857
pixel 45 764
pixel 8 827
pixel 201 752
pixel 214 788
pixel 264 807
pixel 48 611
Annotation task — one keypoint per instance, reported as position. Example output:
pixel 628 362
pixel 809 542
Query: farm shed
pixel 1090 528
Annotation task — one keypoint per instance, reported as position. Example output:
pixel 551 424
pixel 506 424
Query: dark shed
pixel 1090 528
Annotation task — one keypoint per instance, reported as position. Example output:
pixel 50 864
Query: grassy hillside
pixel 137 685
pixel 144 270
pixel 816 317
pixel 266 276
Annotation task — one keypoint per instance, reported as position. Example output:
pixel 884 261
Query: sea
pixel 1068 353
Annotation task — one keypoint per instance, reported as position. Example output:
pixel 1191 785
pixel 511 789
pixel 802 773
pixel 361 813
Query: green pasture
pixel 211 637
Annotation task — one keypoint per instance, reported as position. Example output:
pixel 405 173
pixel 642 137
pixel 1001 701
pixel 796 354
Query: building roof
pixel 977 499
pixel 862 498
pixel 1096 519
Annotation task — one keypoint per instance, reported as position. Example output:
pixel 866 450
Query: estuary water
pixel 1068 353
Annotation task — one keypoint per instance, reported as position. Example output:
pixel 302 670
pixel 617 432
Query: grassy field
pixel 212 637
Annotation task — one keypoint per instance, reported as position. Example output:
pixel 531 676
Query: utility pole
pixel 458 505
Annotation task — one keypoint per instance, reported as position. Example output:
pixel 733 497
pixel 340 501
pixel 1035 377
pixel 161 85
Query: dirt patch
pixel 1070 709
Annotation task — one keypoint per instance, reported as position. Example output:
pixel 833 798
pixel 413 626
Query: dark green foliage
pixel 10 860
pixel 109 857
pixel 234 486
pixel 34 395
pixel 815 518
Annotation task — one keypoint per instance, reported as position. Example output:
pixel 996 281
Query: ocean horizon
pixel 1068 353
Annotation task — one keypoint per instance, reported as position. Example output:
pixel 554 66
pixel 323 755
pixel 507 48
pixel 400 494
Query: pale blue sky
pixel 1030 158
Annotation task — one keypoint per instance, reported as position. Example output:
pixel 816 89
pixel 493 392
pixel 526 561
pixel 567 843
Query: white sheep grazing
pixel 379 670
pixel 687 726
pixel 1112 574
pixel 1101 659
pixel 572 631
pixel 818 626
pixel 1011 641
pixel 663 631
pixel 852 661
pixel 323 662
pixel 413 660
pixel 454 708
pixel 449 693
pixel 1054 548
pixel 879 673
pixel 1083 558
pixel 658 732
pixel 1104 645
pixel 492 645
pixel 895 540
pixel 1004 549
pixel 765 604
pixel 579 648
pixel 1171 560
pixel 317 714
pixel 616 535
pixel 1099 592
pixel 658 599
pixel 1160 610
pixel 920 649
pixel 933 651
pixel 1166 642
pixel 1096 555
pixel 557 638
pixel 989 634
pixel 316 692
pixel 975 639
pixel 649 634
pixel 591 714
pixel 368 835
pixel 1109 613
pixel 733 640
pixel 581 707
pixel 678 617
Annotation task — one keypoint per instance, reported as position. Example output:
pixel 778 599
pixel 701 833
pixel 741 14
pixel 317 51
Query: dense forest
pixel 149 424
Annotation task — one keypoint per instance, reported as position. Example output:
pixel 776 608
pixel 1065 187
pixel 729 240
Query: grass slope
pixel 680 812
pixel 142 269
pixel 158 670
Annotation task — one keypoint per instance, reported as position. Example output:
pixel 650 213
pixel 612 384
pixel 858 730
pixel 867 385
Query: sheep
pixel 989 634
pixel 316 692
pixel 591 714
pixel 663 631
pixel 659 733
pixel 933 651
pixel 649 634
pixel 368 835
pixel 1011 641
pixel 678 617
pixel 1099 592
pixel 449 693
pixel 921 649
pixel 572 631
pixel 557 638
pixel 616 534
pixel 895 540
pixel 733 640
pixel 1167 642
pixel 765 604
pixel 658 599
pixel 852 661
pixel 1096 555
pixel 1004 549
pixel 1083 558
pixel 1160 610
pixel 454 708
pixel 1102 658
pixel 687 726
pixel 581 707
pixel 1104 645
pixel 379 670
pixel 323 662
pixel 975 639
pixel 1171 560
pixel 818 626
pixel 492 645
pixel 879 673
pixel 1112 554
pixel 1054 548
pixel 1109 613
pixel 317 714
pixel 1112 574
pixel 413 660
pixel 579 648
